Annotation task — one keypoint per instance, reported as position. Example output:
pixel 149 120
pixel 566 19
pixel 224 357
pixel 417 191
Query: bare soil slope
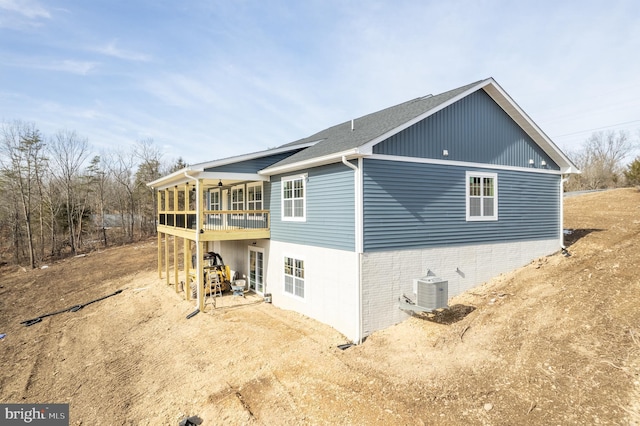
pixel 556 342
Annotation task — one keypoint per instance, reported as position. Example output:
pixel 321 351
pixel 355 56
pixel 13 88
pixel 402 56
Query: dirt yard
pixel 556 342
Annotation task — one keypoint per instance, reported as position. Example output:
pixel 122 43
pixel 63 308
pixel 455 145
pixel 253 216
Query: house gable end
pixel 473 129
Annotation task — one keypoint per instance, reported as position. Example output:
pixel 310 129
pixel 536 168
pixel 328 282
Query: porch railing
pixel 217 220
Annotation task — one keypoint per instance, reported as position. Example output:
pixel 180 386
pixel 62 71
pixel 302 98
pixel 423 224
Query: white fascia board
pixel 493 89
pixel 170 179
pixel 313 162
pixel 514 111
pixel 177 177
pixel 250 156
pixel 463 164
pixel 369 145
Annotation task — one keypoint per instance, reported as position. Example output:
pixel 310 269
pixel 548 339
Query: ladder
pixel 214 288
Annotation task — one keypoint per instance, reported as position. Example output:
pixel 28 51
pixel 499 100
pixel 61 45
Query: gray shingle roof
pixel 341 138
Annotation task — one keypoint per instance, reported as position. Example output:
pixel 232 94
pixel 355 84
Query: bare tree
pixel 53 204
pixel 122 170
pixel 148 170
pixel 97 172
pixel 41 175
pixel 601 160
pixel 69 152
pixel 23 148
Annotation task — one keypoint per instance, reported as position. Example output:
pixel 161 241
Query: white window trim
pixel 264 267
pixel 284 291
pixel 246 195
pixel 215 191
pixel 494 176
pixel 302 218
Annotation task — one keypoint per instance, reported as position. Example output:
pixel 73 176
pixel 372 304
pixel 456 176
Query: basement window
pixel 294 276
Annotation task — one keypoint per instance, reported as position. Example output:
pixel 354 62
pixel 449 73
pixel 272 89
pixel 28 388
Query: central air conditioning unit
pixel 431 292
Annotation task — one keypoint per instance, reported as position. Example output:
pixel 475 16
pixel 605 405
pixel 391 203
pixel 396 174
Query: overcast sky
pixel 211 79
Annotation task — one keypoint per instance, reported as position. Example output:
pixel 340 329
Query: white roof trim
pixel 514 111
pixel 251 156
pixel 493 89
pixel 178 176
pixel 312 162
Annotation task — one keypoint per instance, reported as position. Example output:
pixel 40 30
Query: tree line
pixel 59 198
pixel 603 160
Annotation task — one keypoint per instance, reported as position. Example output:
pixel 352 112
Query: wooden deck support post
pixel 166 256
pixel 187 266
pixel 160 255
pixel 175 239
pixel 159 234
pixel 175 261
pixel 200 278
pixel 165 208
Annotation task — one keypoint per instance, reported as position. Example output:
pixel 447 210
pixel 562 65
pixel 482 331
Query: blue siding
pixel 413 205
pixel 252 166
pixel 330 216
pixel 473 129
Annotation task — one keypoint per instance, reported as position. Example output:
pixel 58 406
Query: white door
pixel 256 269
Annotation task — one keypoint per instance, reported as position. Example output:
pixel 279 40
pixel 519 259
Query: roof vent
pixel 352 124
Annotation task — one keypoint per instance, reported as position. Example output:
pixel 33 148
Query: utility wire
pixel 597 128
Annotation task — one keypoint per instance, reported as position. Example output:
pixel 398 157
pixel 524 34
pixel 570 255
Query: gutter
pixel 198 254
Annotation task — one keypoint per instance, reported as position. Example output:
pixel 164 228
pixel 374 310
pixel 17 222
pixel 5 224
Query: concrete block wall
pixel 386 276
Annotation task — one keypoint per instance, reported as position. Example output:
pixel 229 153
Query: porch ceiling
pixel 208 179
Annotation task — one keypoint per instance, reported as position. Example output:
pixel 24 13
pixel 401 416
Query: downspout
pixel 198 253
pixel 562 182
pixel 348 164
pixel 358 246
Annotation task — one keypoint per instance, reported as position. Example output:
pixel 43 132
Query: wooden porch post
pixel 201 278
pixel 159 234
pixel 175 261
pixel 187 266
pixel 160 255
pixel 200 244
pixel 175 239
pixel 165 208
pixel 166 256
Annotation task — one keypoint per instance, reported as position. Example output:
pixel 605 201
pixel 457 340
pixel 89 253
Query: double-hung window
pixel 254 196
pixel 294 276
pixel 237 198
pixel 482 196
pixel 214 199
pixel 237 203
pixel 214 220
pixel 293 199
